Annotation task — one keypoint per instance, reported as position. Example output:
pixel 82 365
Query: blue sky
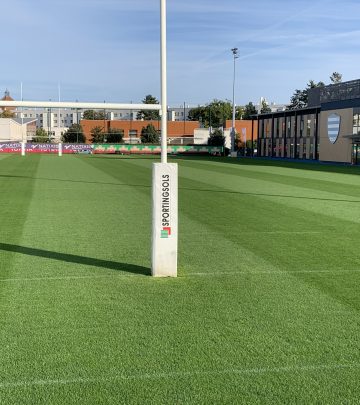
pixel 109 49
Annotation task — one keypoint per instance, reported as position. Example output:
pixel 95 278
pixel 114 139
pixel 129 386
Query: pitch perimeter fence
pixel 49 148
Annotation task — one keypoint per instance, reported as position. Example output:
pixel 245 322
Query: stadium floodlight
pixel 235 54
pixel 164 175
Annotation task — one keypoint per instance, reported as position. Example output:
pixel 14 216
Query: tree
pixel 150 135
pixel 74 134
pixel 238 143
pixel 115 135
pixel 298 100
pixel 97 135
pixel 94 115
pixel 264 108
pixel 239 112
pixel 216 138
pixel 41 136
pixel 300 97
pixel 249 110
pixel 198 114
pixel 7 114
pixel 148 115
pixel 336 77
pixel 213 115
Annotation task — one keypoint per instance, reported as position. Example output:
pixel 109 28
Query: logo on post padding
pixel 165 207
pixel 165 232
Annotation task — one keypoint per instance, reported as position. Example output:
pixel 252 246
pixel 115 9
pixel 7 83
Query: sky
pixel 109 50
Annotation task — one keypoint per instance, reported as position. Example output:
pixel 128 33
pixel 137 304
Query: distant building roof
pixel 24 120
pixel 7 97
pixel 334 92
pixel 19 121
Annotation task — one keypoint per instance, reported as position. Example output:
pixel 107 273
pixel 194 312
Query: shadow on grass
pixel 241 193
pixel 312 165
pixel 198 190
pixel 73 181
pixel 69 258
pixel 122 157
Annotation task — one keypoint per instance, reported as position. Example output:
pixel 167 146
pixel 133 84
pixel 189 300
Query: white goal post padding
pixel 164 219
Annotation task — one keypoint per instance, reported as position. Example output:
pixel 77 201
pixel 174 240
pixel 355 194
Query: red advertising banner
pixel 41 148
pixel 15 147
pixel 76 148
pixel 10 147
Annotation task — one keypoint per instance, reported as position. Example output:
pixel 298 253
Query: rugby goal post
pixel 164 186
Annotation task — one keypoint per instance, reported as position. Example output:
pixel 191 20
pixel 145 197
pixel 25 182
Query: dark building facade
pixel 327 130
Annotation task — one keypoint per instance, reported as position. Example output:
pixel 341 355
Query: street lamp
pixel 235 54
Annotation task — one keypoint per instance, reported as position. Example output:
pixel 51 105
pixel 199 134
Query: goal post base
pixel 164 219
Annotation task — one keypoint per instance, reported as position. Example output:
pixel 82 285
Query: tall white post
pixel 23 148
pixel 163 82
pixel 164 187
pixel 233 130
pixel 60 149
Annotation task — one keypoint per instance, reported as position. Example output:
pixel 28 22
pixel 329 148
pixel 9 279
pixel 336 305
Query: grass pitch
pixel 265 308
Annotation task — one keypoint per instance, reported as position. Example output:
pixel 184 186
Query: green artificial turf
pixel 265 309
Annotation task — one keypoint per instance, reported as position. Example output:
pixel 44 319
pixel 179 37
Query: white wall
pixel 11 130
pixel 201 136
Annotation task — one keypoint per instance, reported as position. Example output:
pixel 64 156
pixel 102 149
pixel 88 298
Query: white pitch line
pixel 149 376
pixel 4 280
pixel 271 272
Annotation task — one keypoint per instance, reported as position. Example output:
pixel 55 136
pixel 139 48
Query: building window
pixel 356 123
pixel 308 127
pixel 277 127
pixel 301 126
pixel 283 127
pixel 267 128
pixel 288 127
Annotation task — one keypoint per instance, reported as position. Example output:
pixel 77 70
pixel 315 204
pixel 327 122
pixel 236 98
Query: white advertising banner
pixel 164 219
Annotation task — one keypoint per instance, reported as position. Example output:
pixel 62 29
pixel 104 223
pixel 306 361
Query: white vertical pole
pixel 59 112
pixel 235 53
pixel 22 116
pixel 60 149
pixel 164 188
pixel 233 114
pixel 163 83
pixel 22 148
